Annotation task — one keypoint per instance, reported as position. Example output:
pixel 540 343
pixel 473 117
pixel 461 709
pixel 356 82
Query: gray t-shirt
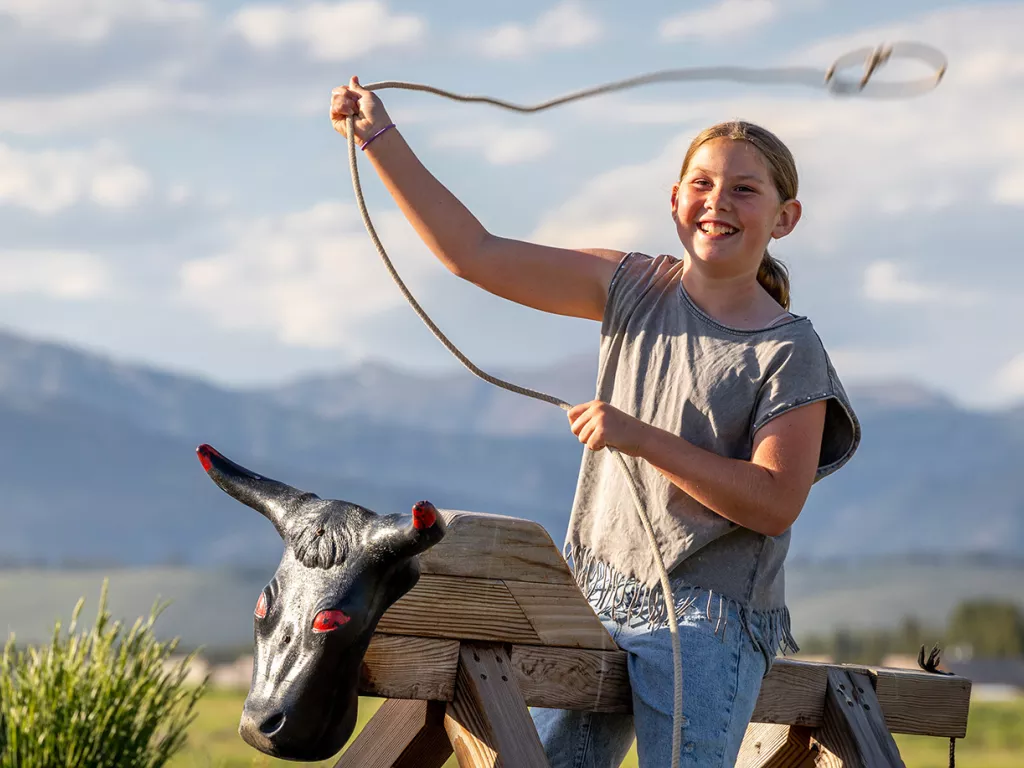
pixel 668 363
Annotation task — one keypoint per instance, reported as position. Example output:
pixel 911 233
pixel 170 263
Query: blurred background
pixel 181 261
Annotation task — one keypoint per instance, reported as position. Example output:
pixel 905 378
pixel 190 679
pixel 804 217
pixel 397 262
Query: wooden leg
pixel 402 734
pixel 853 733
pixel 766 745
pixel 488 722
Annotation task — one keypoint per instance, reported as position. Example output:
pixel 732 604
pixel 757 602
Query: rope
pixel 873 58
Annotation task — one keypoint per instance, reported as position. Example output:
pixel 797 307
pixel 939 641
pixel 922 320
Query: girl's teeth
pixel 717 229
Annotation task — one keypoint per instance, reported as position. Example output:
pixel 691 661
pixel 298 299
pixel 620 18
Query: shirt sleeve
pixel 636 274
pixel 801 373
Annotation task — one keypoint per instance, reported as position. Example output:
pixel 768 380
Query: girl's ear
pixel 675 196
pixel 788 217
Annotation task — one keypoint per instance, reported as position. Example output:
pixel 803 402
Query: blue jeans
pixel 722 671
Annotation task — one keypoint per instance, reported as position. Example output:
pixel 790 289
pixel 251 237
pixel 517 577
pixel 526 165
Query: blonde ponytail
pixel 774 278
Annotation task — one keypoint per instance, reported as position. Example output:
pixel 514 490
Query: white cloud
pixel 498 145
pixel 624 205
pixel 331 31
pixel 92 21
pixel 42 115
pixel 1008 383
pixel 723 19
pixel 884 283
pixel 49 181
pixel 566 25
pixel 70 275
pixel 306 277
pixel 117 105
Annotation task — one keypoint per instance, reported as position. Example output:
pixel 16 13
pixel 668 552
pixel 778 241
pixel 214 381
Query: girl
pixel 725 403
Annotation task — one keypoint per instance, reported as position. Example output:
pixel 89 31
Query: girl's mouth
pixel 716 229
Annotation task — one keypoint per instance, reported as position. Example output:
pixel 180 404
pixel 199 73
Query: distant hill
pixel 97 460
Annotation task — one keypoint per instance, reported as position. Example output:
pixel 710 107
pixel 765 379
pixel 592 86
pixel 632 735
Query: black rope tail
pixel 931 664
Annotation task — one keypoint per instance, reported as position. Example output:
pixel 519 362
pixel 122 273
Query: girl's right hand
pixel 353 99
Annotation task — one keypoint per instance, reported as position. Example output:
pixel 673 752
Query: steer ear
pixel 405 536
pixel 274 500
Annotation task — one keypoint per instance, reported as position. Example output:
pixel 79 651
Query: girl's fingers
pixel 576 410
pixel 583 435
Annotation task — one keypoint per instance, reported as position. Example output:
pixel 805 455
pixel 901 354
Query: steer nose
pixel 258 729
pixel 272 724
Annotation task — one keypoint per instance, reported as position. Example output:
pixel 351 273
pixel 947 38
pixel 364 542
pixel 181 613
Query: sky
pixel 172 192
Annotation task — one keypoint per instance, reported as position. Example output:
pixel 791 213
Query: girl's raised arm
pixel 559 280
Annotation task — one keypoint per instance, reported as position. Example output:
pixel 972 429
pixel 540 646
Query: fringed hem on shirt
pixel 623 598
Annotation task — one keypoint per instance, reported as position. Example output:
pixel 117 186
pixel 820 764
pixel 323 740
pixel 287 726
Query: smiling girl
pixel 726 403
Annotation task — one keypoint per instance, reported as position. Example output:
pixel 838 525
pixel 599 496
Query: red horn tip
pixel 204 452
pixel 424 515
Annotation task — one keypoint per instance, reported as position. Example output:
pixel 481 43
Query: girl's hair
pixel 772 274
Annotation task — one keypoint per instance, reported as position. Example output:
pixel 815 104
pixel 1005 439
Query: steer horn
pixel 272 499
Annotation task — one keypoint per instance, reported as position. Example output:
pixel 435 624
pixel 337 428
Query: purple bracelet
pixel 378 133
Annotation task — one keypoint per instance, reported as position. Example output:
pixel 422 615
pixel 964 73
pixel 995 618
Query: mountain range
pixel 98 466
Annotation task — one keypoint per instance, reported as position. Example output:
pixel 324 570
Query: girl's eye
pixel 261 606
pixel 744 189
pixel 701 182
pixel 328 621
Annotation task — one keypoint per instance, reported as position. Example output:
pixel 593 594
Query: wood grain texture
pixel 766 745
pixel 402 734
pixel 792 693
pixel 487 721
pixel 922 702
pixel 563 678
pixel 496 547
pixel 409 668
pixel 459 608
pixel 560 615
pixel 853 733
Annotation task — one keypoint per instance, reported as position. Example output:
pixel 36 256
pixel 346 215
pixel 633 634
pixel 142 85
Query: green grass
pixel 995 738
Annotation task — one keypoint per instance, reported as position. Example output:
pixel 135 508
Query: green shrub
pixel 102 698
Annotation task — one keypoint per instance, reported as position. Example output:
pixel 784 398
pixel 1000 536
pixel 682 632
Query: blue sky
pixel 171 190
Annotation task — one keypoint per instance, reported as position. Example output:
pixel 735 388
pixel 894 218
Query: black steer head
pixel 343 566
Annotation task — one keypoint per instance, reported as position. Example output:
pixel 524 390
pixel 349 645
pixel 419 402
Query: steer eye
pixel 261 606
pixel 328 621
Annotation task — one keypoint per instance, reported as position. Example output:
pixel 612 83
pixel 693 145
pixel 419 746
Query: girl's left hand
pixel 598 424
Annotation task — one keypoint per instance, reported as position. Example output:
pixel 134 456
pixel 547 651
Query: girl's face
pixel 727 209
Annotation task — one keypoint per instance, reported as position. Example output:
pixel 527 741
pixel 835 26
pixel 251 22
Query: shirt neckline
pixel 744 331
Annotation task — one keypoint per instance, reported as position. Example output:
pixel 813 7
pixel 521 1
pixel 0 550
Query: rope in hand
pixel 872 58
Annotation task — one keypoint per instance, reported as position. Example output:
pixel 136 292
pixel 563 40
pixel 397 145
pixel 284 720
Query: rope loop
pixel 875 58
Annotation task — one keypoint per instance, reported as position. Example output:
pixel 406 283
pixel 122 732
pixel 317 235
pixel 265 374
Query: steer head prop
pixel 343 566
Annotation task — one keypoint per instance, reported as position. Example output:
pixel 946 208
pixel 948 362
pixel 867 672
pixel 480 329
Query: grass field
pixel 995 738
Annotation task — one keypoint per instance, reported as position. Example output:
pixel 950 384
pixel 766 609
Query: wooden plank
pixel 766 745
pixel 912 701
pixel 487 721
pixel 562 678
pixel 402 734
pixel 560 615
pixel 922 702
pixel 496 547
pixel 459 608
pixel 793 693
pixel 853 733
pixel 409 668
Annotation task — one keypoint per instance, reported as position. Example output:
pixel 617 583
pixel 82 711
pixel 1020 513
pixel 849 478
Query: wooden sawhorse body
pixel 497 624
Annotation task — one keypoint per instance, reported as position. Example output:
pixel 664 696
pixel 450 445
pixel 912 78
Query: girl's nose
pixel 715 200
